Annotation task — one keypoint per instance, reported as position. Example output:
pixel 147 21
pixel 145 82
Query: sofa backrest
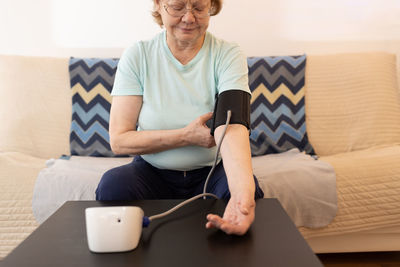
pixel 35 105
pixel 352 102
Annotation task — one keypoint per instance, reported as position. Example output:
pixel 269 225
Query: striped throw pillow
pixel 278 105
pixel 91 83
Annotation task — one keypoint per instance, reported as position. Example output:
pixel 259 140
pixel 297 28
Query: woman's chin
pixel 188 35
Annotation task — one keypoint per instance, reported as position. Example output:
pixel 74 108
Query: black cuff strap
pixel 238 102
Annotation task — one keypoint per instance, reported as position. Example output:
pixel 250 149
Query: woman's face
pixel 190 27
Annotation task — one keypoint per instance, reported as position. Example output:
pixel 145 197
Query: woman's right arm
pixel 124 139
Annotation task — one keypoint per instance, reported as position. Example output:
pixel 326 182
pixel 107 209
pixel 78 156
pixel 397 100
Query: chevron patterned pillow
pixel 91 83
pixel 277 104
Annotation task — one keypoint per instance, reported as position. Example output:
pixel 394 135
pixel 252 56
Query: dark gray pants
pixel 140 180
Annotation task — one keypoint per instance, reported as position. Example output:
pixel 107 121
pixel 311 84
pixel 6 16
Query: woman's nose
pixel 188 17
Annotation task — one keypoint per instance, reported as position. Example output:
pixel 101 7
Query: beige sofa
pixel 353 121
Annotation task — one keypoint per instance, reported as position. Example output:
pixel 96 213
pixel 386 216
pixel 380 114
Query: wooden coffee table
pixel 177 240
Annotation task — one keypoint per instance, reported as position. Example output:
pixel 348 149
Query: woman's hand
pixel 197 133
pixel 238 216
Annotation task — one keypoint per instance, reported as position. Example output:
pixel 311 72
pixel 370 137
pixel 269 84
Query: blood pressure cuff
pixel 238 102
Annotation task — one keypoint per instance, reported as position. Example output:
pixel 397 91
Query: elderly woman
pixel 167 86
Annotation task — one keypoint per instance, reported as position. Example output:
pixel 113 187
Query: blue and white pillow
pixel 91 84
pixel 278 104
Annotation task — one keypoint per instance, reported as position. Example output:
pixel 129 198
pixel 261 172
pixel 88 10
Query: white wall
pixel 103 28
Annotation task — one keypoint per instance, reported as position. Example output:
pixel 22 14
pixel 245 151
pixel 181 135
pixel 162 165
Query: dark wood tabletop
pixel 179 239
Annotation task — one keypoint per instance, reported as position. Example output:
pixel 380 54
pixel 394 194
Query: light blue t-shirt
pixel 175 94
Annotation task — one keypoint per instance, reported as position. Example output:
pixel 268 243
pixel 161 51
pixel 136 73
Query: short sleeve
pixel 233 71
pixel 128 75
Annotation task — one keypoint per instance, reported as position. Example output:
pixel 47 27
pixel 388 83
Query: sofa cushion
pixel 368 187
pixel 91 83
pixel 352 102
pixel 278 104
pixel 35 105
pixel 73 179
pixel 18 174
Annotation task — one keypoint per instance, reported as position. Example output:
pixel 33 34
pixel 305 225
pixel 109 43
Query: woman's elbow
pixel 115 145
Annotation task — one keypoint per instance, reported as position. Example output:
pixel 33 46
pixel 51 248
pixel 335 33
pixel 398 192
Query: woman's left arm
pixel 235 151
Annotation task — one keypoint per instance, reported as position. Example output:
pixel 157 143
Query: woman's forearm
pixel 147 142
pixel 125 140
pixel 236 156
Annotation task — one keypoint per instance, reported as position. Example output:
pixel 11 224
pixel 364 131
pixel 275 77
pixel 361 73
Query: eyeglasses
pixel 178 9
